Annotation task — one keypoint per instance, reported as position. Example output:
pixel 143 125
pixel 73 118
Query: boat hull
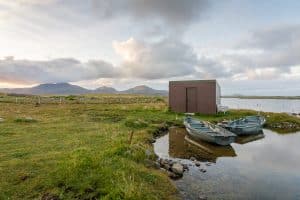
pixel 220 140
pixel 250 125
pixel 251 130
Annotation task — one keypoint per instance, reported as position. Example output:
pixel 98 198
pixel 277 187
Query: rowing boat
pixel 208 132
pixel 249 125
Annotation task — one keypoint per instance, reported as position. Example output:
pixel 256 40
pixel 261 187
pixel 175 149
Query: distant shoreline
pixel 263 97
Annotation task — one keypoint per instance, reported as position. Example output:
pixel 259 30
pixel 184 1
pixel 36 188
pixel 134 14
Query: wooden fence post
pixel 131 136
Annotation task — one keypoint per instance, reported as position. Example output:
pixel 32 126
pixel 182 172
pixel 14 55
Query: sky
pixel 251 47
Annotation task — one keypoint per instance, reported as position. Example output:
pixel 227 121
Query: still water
pixel 267 105
pixel 266 166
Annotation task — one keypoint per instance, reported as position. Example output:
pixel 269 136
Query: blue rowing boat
pixel 208 132
pixel 249 125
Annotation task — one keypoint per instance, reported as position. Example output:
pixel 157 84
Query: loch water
pixel 266 166
pixel 266 105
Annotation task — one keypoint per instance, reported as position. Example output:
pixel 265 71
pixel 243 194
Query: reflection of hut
pixel 181 146
pixel 197 96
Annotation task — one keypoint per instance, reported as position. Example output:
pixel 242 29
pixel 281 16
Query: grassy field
pixel 78 147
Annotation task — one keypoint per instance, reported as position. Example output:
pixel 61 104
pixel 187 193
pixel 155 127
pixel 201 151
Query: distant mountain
pixel 49 88
pixel 16 90
pixel 143 89
pixel 105 90
pixel 66 88
pixel 58 88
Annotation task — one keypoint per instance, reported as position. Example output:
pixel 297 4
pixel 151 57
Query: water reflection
pixel 249 138
pixel 181 146
pixel 265 166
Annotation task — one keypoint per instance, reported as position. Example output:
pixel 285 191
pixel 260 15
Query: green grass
pixel 80 149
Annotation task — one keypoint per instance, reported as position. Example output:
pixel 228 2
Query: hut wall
pixel 193 96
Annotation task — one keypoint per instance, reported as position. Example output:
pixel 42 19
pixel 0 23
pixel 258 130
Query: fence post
pixel 131 136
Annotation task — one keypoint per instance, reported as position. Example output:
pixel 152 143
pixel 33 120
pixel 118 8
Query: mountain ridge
pixel 67 88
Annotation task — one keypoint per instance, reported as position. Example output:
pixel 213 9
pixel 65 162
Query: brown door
pixel 191 99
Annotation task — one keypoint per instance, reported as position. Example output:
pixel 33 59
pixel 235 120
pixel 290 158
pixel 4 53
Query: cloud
pixel 266 54
pixel 172 12
pixel 27 2
pixel 280 47
pixel 163 59
pixel 166 58
pixel 56 70
pixel 169 12
pixel 275 38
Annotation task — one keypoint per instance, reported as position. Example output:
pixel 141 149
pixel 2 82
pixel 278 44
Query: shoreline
pixel 263 97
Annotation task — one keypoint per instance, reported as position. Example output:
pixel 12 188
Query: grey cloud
pixel 280 48
pixel 275 38
pixel 57 70
pixel 168 14
pixel 167 58
pixel 277 50
pixel 212 68
pixel 175 11
pixel 142 60
pixel 160 17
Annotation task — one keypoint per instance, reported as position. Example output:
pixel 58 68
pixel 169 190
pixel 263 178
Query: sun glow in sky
pixel 250 47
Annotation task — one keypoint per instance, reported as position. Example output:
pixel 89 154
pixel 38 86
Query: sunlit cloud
pixel 130 42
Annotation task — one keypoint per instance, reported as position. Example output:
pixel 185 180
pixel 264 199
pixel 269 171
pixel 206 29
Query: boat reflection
pixel 182 146
pixel 249 138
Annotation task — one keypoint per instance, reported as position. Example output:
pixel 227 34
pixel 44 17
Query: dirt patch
pixel 49 196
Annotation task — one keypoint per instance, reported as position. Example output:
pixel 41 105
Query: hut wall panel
pixel 206 96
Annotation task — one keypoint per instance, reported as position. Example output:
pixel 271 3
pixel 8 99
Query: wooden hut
pixel 194 96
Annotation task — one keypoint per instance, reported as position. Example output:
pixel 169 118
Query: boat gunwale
pixel 222 132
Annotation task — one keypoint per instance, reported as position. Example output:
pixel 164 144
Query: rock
pixel 1 119
pixel 197 164
pixel 156 165
pixel 148 152
pixel 177 168
pixel 202 197
pixel 164 163
pixel 166 166
pixel 208 164
pixel 173 175
pixel 161 161
pixel 185 167
pixel 203 170
pixel 192 158
pixel 24 177
pixel 152 140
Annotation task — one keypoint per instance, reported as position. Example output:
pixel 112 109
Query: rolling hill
pixel 67 88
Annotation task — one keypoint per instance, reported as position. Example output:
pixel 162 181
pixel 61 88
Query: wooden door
pixel 191 99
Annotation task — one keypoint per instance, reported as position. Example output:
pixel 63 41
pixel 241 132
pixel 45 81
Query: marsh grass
pixel 82 150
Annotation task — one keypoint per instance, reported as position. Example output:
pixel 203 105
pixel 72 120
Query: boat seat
pixel 198 124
